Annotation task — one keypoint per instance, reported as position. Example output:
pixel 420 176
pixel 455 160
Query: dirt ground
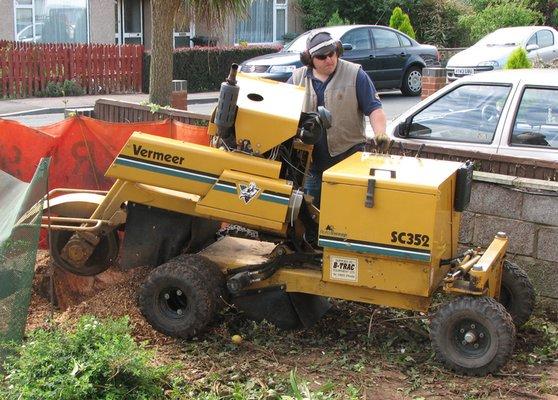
pixel 384 353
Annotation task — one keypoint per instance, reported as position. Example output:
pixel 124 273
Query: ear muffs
pixel 306 58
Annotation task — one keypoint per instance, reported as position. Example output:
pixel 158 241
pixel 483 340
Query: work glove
pixel 380 141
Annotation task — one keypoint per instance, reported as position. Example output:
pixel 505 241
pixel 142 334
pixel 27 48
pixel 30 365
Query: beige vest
pixel 340 98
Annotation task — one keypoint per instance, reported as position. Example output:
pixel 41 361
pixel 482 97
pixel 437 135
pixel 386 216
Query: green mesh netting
pixel 20 222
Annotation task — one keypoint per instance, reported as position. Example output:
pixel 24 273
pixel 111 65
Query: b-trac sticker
pixel 408 238
pixel 344 269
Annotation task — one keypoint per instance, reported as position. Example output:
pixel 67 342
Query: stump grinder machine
pixel 229 223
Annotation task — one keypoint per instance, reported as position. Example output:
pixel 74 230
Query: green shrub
pixel 336 20
pixel 518 60
pixel 498 15
pixel 72 88
pixel 68 88
pixel 396 18
pixel 205 68
pixel 406 27
pixel 316 13
pixel 437 22
pixel 401 21
pixel 53 89
pixel 96 361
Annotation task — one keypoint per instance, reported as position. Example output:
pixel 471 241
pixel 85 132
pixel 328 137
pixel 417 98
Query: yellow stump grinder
pixel 230 223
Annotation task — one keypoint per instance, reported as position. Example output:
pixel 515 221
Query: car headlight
pixel 491 63
pixel 275 69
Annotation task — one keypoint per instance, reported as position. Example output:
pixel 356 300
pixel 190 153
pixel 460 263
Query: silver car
pixel 508 112
pixel 492 51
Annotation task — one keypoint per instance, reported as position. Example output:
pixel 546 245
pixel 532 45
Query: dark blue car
pixel 392 59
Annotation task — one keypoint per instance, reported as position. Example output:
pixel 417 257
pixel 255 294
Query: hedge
pixel 206 67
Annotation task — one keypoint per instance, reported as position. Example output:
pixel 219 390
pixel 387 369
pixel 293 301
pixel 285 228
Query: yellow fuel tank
pixel 386 221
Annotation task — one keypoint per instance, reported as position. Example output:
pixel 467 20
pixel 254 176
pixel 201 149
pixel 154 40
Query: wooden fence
pixel 27 68
pixel 121 111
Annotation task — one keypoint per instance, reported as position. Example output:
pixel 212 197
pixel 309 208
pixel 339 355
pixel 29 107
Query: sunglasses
pixel 323 57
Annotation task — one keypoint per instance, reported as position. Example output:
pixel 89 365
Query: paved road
pixel 394 104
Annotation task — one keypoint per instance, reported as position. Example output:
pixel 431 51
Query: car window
pixel 405 42
pixel 532 40
pixel 536 122
pixel 384 39
pixel 359 38
pixel 469 113
pixel 545 38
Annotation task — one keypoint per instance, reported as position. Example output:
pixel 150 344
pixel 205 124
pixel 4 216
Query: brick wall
pixel 433 79
pixel 527 210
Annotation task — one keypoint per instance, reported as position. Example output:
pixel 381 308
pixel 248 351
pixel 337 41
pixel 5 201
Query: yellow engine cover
pixel 268 112
pixel 397 243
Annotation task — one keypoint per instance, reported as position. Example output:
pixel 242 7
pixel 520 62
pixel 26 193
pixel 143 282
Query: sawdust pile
pixel 116 301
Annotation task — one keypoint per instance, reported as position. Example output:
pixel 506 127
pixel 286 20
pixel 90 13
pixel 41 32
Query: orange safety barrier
pixel 81 148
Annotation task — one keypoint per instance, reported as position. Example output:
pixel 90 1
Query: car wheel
pixel 412 82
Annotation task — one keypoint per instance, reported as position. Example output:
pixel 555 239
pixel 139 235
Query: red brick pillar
pixel 433 79
pixel 179 94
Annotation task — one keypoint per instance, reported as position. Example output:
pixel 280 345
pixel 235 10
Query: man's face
pixel 325 64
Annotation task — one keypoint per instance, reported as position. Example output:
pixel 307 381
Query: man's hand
pixel 382 142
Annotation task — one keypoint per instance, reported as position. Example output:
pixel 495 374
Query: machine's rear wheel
pixel 101 259
pixel 473 336
pixel 517 293
pixel 180 298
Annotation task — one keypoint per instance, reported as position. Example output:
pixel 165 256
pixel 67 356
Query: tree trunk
pixel 160 75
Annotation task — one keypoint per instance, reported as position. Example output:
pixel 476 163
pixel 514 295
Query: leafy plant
pixel 518 59
pixel 497 15
pixel 67 88
pixel 436 22
pixel 401 21
pixel 53 89
pixel 336 19
pixel 95 361
pixel 396 18
pixel 72 88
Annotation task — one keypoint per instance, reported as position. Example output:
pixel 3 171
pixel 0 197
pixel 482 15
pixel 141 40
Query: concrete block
pixel 434 72
pixel 546 244
pixel 521 234
pixel 467 227
pixel 495 200
pixel 543 275
pixel 540 208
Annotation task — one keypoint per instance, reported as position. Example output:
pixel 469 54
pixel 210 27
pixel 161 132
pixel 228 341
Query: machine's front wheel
pixel 180 298
pixel 101 259
pixel 473 336
pixel 517 293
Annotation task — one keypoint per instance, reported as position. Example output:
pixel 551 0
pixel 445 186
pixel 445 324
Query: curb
pixel 60 110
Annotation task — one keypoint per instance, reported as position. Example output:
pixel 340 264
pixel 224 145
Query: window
pixel 469 113
pixel 266 22
pixel 384 39
pixel 545 38
pixel 183 27
pixel 51 21
pixel 405 41
pixel 358 38
pixel 536 123
pixel 542 39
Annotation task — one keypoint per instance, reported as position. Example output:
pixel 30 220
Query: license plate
pixel 464 71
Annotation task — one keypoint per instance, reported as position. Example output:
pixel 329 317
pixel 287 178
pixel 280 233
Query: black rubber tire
pixel 413 73
pixel 101 259
pixel 491 325
pixel 190 281
pixel 517 293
